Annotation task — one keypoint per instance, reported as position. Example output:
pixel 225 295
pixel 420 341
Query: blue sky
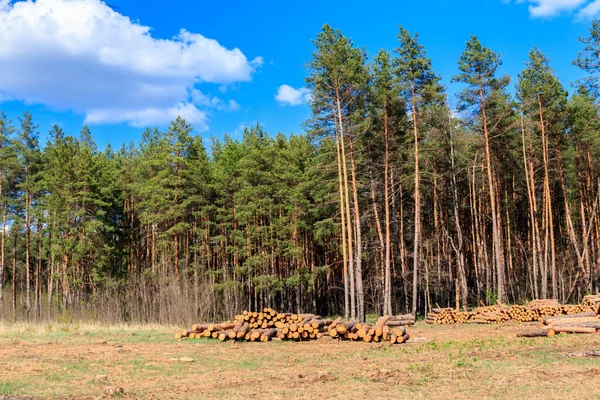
pixel 73 62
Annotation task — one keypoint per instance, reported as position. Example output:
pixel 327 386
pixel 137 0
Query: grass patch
pixel 7 388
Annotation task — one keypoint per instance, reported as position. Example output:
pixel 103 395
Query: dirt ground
pixel 444 362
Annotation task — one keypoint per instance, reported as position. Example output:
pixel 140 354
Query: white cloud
pixel 201 99
pixel 589 11
pixel 81 55
pixel 553 8
pixel 293 97
pixel 233 105
pixel 149 116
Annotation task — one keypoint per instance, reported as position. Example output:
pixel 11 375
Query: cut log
pixel 400 323
pixel 317 323
pixel 595 325
pixel 536 333
pixel 255 334
pixel 335 323
pixel 199 327
pixel 243 330
pixel 382 321
pixel 268 334
pixel 572 321
pixel 572 329
pixel 345 327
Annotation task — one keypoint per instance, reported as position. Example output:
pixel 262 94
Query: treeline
pixel 392 202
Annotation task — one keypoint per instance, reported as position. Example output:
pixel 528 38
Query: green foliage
pixel 414 73
pixel 538 86
pixel 588 59
pixel 478 67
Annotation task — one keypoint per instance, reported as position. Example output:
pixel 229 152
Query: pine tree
pixel 337 77
pixel 420 87
pixel 584 128
pixel 542 97
pixel 478 66
pixel 179 141
pixel 28 153
pixel 8 170
pixel 388 114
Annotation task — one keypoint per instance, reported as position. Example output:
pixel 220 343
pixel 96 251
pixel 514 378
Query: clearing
pixel 458 361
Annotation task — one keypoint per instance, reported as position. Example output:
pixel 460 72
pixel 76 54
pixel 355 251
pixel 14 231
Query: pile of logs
pixel 269 324
pixel 522 314
pixel 546 308
pixel 387 329
pixel 301 327
pixel 479 315
pixel 490 315
pixel 442 316
pixel 587 322
pixel 591 303
pixel 536 310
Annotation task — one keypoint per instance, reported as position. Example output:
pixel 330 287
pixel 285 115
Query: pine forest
pixel 399 197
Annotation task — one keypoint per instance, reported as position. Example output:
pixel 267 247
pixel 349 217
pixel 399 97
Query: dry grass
pixel 460 362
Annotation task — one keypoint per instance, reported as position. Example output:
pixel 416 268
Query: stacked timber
pixel 490 315
pixel 387 329
pixel 269 324
pixel 587 322
pixel 463 317
pixel 441 316
pixel 572 309
pixel 591 303
pixel 543 303
pixel 536 310
pixel 205 330
pixel 480 315
pixel 298 327
pixel 552 308
pixel 523 314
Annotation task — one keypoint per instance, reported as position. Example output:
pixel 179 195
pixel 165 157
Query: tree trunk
pixel 549 211
pixel 462 276
pixel 498 255
pixel 27 252
pixel 382 273
pixel 359 279
pixel 535 254
pixel 417 196
pixel 387 309
pixel 38 272
pixel 343 226
pixel 14 278
pixel 348 217
pixel 51 272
